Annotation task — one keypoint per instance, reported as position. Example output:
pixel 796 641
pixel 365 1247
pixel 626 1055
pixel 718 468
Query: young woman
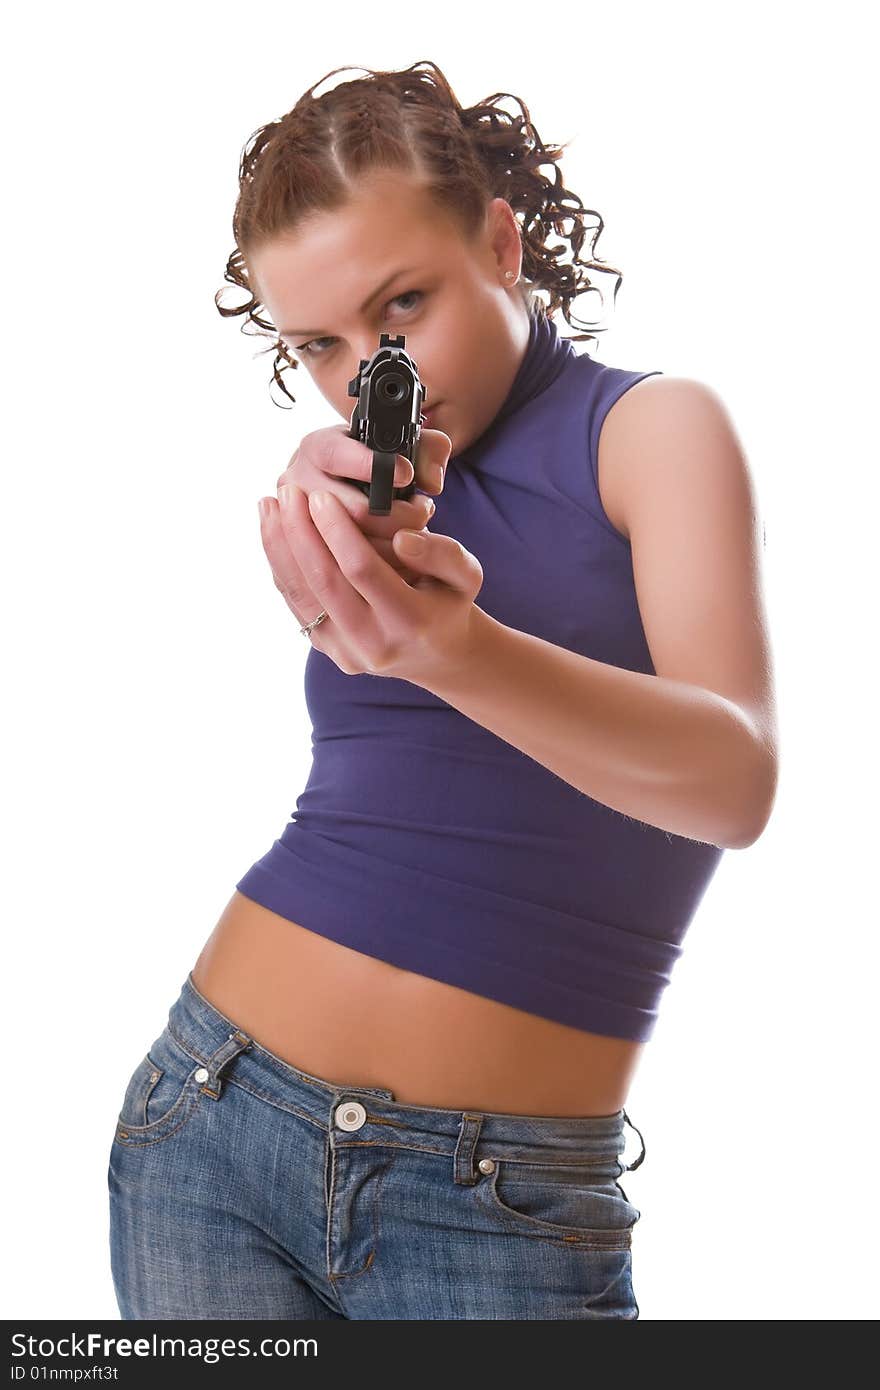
pixel 393 1083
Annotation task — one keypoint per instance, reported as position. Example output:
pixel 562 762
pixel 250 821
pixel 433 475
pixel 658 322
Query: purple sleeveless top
pixel 425 840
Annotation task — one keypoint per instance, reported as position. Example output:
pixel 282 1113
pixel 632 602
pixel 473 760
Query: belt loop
pixel 628 1167
pixel 463 1165
pixel 235 1043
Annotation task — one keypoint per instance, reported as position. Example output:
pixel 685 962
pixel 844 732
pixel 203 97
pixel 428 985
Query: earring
pixel 509 274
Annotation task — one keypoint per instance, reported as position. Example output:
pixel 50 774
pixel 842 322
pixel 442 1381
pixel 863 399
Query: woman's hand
pixel 377 623
pixel 328 456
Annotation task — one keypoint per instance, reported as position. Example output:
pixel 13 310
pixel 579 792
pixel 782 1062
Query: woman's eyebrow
pixel 305 332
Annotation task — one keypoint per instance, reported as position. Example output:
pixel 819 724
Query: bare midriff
pixel 354 1020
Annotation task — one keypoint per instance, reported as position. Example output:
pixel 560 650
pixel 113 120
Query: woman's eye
pixel 406 294
pixel 308 349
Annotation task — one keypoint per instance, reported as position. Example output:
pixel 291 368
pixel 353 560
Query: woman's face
pixel 465 328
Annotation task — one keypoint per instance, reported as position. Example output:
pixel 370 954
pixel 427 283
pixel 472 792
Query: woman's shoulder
pixel 655 428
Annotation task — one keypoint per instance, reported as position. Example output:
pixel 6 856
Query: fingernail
pixel 436 474
pixel 317 501
pixel 285 492
pixel 264 509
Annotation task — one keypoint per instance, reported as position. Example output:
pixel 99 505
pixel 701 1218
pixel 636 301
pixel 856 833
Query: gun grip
pixel 382 483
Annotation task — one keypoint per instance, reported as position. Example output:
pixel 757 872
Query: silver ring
pixel 306 631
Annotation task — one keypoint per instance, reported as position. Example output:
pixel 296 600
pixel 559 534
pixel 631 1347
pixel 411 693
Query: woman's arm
pixel 692 749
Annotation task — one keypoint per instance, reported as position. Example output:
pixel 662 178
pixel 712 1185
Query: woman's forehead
pixel 356 267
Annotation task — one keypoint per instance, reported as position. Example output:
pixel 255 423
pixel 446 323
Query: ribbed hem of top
pixel 484 942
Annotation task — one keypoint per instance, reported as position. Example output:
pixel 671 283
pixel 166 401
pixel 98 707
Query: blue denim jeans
pixel 241 1187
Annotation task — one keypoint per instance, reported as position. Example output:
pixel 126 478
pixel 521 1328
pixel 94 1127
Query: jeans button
pixel 486 1165
pixel 202 1074
pixel 350 1114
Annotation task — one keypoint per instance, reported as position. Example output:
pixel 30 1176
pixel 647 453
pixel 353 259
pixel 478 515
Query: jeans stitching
pixel 368 1263
pixel 143 1134
pixel 592 1237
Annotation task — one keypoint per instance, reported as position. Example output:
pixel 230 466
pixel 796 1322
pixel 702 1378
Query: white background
pixel 155 735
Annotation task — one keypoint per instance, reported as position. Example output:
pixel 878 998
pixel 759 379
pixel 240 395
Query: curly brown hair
pixel 411 120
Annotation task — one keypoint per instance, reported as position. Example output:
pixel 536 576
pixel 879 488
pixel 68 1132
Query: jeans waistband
pixel 224 1049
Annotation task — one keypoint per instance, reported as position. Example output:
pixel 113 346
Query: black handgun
pixel 387 418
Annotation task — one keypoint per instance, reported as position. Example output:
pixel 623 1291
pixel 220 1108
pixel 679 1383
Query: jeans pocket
pixel 575 1202
pixel 161 1096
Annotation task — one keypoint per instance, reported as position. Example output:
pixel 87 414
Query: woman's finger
pixel 317 561
pixel 288 576
pixel 432 456
pixel 344 570
pixel 411 515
